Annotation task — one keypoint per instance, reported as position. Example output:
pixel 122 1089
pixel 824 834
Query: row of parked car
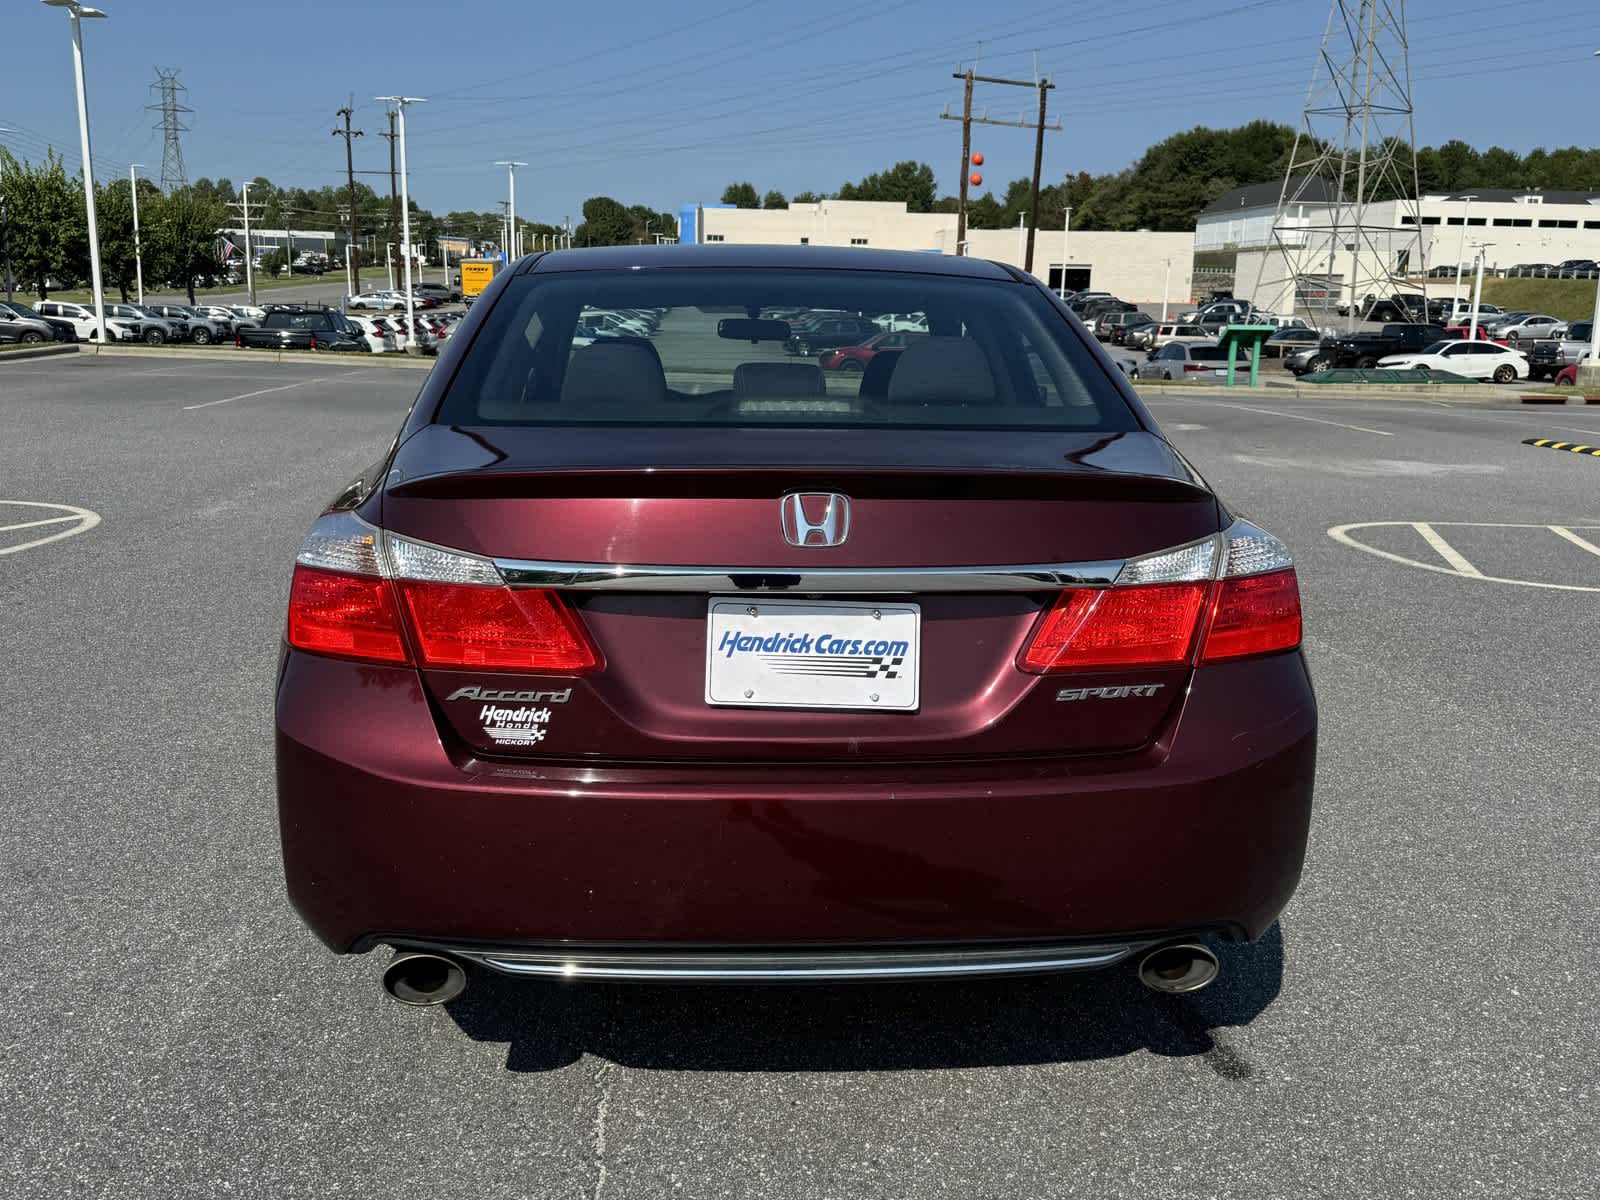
pixel 153 324
pixel 318 327
pixel 423 295
pixel 1572 268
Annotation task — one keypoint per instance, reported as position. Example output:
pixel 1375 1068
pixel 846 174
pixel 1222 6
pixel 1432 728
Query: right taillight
pixel 361 594
pixel 1226 597
pixel 1259 614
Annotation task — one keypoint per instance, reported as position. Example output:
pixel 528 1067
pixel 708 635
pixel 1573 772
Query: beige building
pixel 1138 267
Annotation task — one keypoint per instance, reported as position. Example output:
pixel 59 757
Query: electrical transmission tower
pixel 1333 236
pixel 171 108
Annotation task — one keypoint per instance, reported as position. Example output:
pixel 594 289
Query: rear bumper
pixel 390 835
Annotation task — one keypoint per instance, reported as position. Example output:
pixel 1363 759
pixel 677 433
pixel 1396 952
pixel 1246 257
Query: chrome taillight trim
pixel 605 577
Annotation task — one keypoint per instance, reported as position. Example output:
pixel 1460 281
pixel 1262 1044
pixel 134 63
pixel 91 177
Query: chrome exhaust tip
pixel 1178 967
pixel 419 978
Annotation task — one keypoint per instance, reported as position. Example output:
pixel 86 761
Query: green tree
pixel 985 212
pixel 911 182
pixel 807 198
pixel 182 238
pixel 605 223
pixel 272 262
pixel 774 200
pixel 45 228
pixel 741 195
pixel 113 210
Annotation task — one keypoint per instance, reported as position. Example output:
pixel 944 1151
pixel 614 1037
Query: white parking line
pixel 1272 412
pixel 55 521
pixel 248 395
pixel 1581 543
pixel 82 519
pixel 1446 551
pixel 1459 567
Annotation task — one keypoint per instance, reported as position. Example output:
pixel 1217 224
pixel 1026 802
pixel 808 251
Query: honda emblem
pixel 815 518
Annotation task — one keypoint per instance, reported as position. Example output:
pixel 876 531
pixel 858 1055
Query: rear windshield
pixel 280 320
pixel 758 347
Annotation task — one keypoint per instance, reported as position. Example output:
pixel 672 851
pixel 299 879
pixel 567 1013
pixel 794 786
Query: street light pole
pixel 1166 289
pixel 1066 233
pixel 1592 374
pixel 400 103
pixel 3 209
pixel 1455 296
pixel 138 260
pixel 78 12
pixel 1477 290
pixel 514 244
pixel 249 256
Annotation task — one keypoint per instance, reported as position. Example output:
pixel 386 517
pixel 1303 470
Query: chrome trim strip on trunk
pixel 603 577
pixel 809 965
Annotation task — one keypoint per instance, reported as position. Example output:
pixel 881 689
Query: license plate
pixel 813 654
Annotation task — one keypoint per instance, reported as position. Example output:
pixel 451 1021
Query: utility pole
pixel 394 196
pixel 966 168
pixel 243 205
pixel 968 121
pixel 350 173
pixel 1038 164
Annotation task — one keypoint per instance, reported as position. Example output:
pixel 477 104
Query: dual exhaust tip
pixel 1178 967
pixel 422 979
pixel 419 978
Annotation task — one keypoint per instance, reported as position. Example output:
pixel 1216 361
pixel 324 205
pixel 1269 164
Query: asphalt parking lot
pixel 1422 1023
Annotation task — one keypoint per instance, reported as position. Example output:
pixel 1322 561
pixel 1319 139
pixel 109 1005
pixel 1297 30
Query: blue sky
pixel 664 104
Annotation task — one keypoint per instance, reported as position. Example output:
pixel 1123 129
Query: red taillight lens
pixel 1258 614
pixel 1131 626
pixel 351 616
pixel 1195 367
pixel 496 628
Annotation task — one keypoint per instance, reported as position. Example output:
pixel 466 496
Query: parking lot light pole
pixel 1593 371
pixel 1066 233
pixel 400 103
pixel 1477 290
pixel 249 256
pixel 1455 296
pixel 5 129
pixel 1166 289
pixel 514 246
pixel 78 12
pixel 133 194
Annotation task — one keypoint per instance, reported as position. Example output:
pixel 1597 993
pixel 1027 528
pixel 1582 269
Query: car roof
pixel 826 258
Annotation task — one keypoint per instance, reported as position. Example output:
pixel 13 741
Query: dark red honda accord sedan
pixel 663 656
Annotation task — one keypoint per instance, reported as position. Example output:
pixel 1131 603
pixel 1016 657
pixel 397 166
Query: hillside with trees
pixel 1174 180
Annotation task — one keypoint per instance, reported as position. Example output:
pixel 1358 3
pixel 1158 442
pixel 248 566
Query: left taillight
pixel 1227 597
pixel 361 594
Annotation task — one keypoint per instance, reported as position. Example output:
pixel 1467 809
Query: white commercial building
pixel 1521 227
pixel 1140 267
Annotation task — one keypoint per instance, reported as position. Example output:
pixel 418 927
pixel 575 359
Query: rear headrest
pixel 778 379
pixel 942 370
pixel 611 371
pixel 875 379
